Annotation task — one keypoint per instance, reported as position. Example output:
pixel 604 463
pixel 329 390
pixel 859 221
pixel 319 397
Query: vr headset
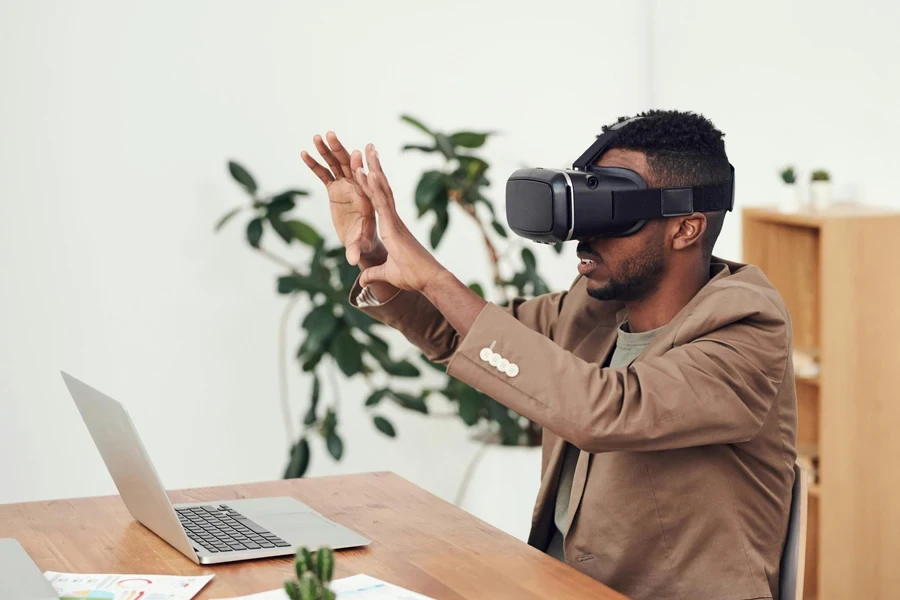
pixel 553 205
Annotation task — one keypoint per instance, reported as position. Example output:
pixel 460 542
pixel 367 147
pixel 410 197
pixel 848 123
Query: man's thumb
pixel 377 273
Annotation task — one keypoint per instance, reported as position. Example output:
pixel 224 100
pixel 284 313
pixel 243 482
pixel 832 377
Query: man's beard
pixel 640 276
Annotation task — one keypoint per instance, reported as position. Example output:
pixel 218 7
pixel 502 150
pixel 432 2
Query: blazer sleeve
pixel 413 315
pixel 716 387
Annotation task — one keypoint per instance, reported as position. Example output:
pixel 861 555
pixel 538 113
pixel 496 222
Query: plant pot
pixel 791 199
pixel 502 487
pixel 820 194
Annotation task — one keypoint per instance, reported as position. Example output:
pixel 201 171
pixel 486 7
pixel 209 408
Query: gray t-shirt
pixel 628 347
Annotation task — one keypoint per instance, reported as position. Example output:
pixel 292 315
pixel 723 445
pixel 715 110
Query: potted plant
pixel 820 189
pixel 342 341
pixel 790 192
pixel 314 573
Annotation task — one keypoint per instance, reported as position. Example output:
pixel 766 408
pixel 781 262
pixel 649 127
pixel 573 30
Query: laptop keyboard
pixel 222 529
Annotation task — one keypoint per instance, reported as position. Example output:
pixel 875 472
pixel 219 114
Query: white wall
pixel 116 120
pixel 809 82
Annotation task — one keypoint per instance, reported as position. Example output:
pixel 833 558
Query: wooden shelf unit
pixel 837 273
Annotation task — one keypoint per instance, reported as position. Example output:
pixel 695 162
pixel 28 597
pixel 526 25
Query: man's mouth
pixel 587 264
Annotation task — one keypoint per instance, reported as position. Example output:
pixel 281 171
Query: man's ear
pixel 688 231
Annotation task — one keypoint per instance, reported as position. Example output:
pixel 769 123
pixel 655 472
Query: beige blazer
pixel 682 487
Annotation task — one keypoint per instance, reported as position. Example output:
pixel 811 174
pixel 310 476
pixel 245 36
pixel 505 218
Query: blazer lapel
pixel 601 341
pixel 540 519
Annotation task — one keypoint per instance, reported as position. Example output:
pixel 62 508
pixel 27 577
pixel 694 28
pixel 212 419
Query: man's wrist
pixel 439 282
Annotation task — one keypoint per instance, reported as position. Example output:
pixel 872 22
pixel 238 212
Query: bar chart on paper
pixel 125 587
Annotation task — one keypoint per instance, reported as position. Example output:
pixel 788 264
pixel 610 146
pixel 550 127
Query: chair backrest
pixel 793 558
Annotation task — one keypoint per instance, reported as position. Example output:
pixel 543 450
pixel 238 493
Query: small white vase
pixel 791 199
pixel 820 194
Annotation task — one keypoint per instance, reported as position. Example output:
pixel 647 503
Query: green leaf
pixel 499 229
pixel 529 259
pixel 304 233
pixel 385 427
pixel 445 145
pixel 476 287
pixel 358 319
pixel 254 232
pixel 348 274
pixel 335 445
pixel 227 217
pixel 376 397
pixel 431 188
pixel 242 176
pixel 280 227
pixel 409 401
pixel 404 368
pixel 539 286
pixel 290 195
pixel 469 139
pixel 299 460
pixel 311 417
pixel 469 403
pixel 280 204
pixel 347 352
pixel 320 323
pixel 417 124
pixel 418 147
pixel 558 247
pixel 289 284
pixel 437 233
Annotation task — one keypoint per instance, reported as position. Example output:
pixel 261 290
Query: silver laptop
pixel 19 576
pixel 205 532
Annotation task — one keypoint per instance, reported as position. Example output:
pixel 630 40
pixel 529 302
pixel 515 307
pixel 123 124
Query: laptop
pixel 19 576
pixel 206 532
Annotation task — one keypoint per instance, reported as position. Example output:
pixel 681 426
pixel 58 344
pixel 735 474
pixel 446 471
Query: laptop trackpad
pixel 296 524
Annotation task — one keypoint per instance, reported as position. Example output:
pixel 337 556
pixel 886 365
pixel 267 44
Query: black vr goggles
pixel 552 205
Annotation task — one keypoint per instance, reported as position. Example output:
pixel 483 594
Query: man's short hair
pixel 682 148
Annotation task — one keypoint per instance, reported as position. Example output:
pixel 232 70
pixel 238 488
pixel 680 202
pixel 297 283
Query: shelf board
pixel 811 217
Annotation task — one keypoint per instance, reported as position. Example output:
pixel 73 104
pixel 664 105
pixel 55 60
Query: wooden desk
pixel 418 541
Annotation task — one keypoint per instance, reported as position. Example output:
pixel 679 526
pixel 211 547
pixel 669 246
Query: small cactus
pixel 314 572
pixel 788 175
pixel 820 175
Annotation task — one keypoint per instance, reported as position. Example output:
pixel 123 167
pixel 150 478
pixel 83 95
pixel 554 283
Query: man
pixel 662 378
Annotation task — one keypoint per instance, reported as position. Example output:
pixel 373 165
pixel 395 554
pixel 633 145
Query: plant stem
pixel 277 259
pixel 491 249
pixel 470 472
pixel 282 368
pixel 332 375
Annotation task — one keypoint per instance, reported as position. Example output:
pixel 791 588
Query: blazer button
pixel 486 354
pixel 512 370
pixel 495 359
pixel 503 365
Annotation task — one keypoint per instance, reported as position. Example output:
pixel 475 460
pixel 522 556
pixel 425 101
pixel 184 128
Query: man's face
pixel 625 268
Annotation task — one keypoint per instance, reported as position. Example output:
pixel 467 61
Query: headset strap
pixel 655 203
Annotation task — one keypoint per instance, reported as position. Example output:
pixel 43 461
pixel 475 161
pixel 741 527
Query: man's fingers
pixel 340 153
pixel 378 273
pixel 328 156
pixel 375 167
pixel 320 171
pixel 353 253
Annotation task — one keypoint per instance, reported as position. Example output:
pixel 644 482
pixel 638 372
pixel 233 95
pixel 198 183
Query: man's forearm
pixel 459 305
